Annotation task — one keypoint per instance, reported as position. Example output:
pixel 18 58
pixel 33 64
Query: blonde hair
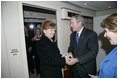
pixel 110 23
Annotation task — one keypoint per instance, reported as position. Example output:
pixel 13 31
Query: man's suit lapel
pixel 74 40
pixel 81 39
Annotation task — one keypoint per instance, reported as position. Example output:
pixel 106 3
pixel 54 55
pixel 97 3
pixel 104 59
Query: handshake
pixel 70 60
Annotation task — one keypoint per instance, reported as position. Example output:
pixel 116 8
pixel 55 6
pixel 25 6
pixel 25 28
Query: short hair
pixel 79 18
pixel 110 23
pixel 48 25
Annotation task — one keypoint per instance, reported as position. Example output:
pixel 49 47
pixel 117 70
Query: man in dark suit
pixel 83 49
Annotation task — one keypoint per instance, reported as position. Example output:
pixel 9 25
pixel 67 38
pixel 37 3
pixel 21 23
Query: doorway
pixel 34 16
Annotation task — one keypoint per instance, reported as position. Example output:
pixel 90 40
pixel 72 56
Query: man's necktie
pixel 77 38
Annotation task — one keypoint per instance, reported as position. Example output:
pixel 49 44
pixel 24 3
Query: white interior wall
pixel 104 45
pixel 14 60
pixel 4 57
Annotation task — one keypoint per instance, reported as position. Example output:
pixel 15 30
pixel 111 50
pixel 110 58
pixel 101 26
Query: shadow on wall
pixel 105 43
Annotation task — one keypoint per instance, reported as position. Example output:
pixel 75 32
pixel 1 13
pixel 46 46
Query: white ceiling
pixel 95 5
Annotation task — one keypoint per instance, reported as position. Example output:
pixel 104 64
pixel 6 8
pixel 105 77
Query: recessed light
pixel 109 7
pixel 31 26
pixel 85 3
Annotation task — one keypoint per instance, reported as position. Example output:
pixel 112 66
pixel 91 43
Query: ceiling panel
pixel 95 5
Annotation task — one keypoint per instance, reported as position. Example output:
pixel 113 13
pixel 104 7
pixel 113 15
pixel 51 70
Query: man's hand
pixel 93 76
pixel 72 61
pixel 70 55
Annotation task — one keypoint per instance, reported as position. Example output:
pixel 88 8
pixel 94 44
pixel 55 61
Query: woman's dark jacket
pixel 51 62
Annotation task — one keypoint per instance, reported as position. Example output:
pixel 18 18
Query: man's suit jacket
pixel 86 52
pixel 50 58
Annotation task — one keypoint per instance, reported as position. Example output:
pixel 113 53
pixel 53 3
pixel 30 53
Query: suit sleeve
pixel 92 49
